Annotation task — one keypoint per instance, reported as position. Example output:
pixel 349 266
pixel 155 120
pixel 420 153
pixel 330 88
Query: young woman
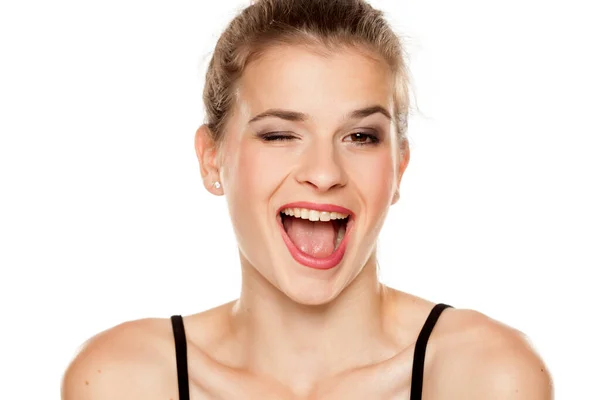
pixel 306 106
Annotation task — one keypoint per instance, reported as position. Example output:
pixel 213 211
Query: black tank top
pixel 416 386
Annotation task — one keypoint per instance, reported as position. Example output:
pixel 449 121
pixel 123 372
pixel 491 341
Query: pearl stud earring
pixel 217 185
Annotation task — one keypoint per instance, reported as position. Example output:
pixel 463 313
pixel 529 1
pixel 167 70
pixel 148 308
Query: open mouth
pixel 315 238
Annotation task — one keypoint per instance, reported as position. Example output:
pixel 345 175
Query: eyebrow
pixel 295 116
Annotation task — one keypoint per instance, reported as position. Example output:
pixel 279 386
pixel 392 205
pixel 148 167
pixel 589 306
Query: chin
pixel 310 294
pixel 311 287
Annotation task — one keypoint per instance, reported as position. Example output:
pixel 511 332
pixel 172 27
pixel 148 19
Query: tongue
pixel 313 238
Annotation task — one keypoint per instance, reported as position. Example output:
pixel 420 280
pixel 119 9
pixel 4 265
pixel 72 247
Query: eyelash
pixel 280 137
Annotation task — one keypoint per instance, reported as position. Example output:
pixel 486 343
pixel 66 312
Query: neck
pixel 299 344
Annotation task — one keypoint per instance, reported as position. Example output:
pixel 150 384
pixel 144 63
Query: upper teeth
pixel 313 215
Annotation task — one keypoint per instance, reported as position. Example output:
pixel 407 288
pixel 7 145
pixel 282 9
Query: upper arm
pixel 490 361
pixel 121 363
pixel 513 373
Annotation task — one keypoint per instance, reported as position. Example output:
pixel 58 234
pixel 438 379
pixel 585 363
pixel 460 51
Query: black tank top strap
pixel 416 386
pixel 181 357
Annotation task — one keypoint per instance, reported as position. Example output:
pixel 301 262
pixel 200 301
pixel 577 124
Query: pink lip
pixel 312 262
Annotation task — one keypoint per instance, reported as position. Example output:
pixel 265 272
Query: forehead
pixel 321 84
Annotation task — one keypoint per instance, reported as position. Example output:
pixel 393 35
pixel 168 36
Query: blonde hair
pixel 322 24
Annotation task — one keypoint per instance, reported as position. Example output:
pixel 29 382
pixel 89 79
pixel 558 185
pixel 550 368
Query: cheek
pixel 374 176
pixel 257 172
pixel 251 175
pixel 376 183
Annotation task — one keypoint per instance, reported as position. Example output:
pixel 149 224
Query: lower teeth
pixel 340 235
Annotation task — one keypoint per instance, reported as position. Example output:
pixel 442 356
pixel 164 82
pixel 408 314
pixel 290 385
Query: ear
pixel 207 151
pixel 404 159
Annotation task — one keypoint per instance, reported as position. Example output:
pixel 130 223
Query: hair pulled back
pixel 326 23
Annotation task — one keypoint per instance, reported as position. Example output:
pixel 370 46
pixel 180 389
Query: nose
pixel 321 167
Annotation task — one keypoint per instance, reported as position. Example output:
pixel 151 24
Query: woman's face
pixel 311 131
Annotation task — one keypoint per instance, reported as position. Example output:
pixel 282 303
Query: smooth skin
pixel 296 333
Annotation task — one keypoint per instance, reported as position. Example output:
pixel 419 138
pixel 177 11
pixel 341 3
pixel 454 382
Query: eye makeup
pixel 365 137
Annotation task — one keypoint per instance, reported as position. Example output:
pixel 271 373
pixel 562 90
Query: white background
pixel 103 217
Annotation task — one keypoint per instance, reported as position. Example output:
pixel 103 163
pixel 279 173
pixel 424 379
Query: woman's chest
pixel 358 385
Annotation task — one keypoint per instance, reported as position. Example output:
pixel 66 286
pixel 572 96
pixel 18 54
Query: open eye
pixel 362 138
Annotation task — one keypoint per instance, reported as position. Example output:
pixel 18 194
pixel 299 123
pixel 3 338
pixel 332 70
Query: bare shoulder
pixel 477 357
pixel 133 360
